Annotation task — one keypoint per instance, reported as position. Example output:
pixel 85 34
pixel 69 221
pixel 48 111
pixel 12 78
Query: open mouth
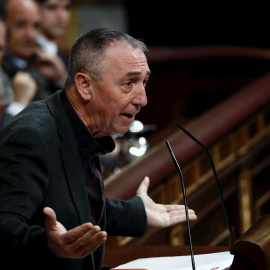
pixel 128 115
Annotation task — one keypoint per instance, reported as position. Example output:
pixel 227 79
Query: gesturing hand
pixel 24 87
pixel 75 243
pixel 159 215
pixel 50 66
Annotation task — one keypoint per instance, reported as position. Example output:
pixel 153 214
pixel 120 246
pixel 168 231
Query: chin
pixel 122 131
pixel 26 55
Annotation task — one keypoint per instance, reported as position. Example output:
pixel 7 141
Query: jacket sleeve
pixel 24 178
pixel 126 218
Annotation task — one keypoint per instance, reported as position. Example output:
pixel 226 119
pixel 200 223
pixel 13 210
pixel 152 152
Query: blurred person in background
pixel 22 53
pixel 15 95
pixel 6 94
pixel 6 97
pixel 55 15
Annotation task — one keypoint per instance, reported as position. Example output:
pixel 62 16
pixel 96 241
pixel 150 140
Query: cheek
pixel 67 16
pixel 111 110
pixel 16 36
pixel 46 20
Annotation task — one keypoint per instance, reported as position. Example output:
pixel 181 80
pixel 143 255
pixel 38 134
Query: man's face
pixel 55 15
pixel 2 40
pixel 117 99
pixel 23 22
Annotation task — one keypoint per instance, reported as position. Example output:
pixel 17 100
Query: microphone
pixel 216 180
pixel 185 201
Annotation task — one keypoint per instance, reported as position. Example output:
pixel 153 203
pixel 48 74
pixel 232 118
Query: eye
pixel 37 26
pixel 128 83
pixel 127 86
pixel 20 24
pixel 145 82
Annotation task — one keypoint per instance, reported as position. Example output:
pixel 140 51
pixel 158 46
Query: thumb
pixel 50 222
pixel 143 186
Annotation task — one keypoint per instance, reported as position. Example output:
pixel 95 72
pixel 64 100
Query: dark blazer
pixel 40 166
pixel 45 86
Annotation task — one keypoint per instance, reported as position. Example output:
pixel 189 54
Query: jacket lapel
pixel 71 157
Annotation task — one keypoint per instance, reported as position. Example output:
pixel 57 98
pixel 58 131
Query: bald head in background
pixel 23 21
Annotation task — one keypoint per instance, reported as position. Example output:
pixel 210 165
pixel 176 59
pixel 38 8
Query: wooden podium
pixel 118 255
pixel 251 251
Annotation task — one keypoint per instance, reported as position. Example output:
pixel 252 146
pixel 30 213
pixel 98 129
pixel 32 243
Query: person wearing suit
pixel 22 19
pixel 53 210
pixel 22 53
pixel 55 15
pixel 15 94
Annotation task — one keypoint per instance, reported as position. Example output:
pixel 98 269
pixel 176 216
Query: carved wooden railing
pixel 236 132
pixel 187 81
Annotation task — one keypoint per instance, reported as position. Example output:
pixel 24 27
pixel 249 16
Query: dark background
pixel 179 23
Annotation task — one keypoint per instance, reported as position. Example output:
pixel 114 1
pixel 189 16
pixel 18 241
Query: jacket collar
pixel 70 156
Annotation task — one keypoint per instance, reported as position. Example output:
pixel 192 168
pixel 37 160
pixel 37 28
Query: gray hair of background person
pixel 6 93
pixel 88 52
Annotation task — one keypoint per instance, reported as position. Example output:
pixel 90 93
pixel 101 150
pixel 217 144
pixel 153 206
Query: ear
pixel 83 85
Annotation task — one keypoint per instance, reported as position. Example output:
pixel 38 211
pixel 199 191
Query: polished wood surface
pixel 117 255
pixel 159 164
pixel 252 249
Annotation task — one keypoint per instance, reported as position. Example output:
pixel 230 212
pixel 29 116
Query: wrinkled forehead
pixel 126 54
pixel 56 2
pixel 121 59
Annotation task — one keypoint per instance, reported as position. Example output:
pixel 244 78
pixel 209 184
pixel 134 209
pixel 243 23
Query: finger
pixel 92 244
pixel 77 233
pixel 182 211
pixel 182 215
pixel 144 186
pixel 94 240
pixel 174 207
pixel 50 222
pixel 176 219
pixel 85 238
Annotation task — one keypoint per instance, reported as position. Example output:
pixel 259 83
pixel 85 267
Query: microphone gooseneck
pixel 216 180
pixel 185 201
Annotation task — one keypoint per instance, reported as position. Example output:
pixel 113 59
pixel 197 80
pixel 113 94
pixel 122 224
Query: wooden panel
pixel 236 156
pixel 239 142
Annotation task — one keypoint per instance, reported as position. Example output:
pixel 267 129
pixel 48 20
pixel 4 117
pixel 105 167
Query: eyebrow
pixel 134 73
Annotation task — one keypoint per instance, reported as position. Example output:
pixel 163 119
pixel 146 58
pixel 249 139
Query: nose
pixel 60 13
pixel 140 98
pixel 32 33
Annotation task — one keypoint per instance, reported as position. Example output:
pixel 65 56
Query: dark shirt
pixel 90 148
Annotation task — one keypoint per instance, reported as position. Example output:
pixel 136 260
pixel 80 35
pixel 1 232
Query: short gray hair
pixel 88 51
